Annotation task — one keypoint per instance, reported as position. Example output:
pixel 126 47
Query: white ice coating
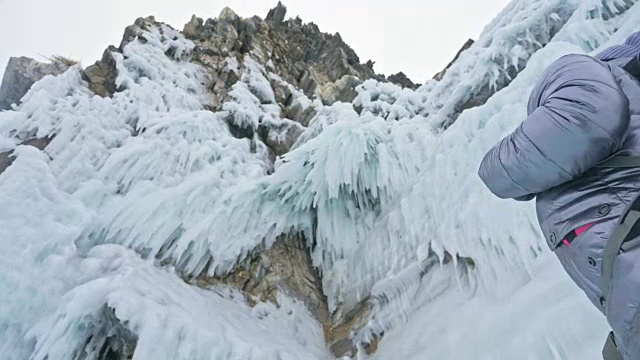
pixel 151 177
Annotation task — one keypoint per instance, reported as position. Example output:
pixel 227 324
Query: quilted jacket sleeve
pixel 578 116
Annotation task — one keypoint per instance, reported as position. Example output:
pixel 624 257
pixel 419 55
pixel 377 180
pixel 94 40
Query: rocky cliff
pixel 249 189
pixel 289 70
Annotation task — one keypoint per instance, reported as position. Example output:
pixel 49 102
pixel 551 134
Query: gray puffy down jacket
pixel 581 112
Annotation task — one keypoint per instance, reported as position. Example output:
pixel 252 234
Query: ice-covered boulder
pixel 20 74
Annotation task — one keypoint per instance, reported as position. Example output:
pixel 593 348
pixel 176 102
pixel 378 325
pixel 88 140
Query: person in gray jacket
pixel 577 155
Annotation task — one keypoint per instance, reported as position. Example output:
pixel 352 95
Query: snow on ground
pixel 543 319
pixel 151 177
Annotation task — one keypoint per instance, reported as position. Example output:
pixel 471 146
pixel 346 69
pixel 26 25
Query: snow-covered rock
pixel 21 73
pixel 229 196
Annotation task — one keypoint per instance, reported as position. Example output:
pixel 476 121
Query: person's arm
pixel 578 116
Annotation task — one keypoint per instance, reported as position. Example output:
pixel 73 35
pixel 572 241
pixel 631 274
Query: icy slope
pixel 522 304
pixel 137 192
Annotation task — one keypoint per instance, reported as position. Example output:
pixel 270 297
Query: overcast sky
pixel 418 37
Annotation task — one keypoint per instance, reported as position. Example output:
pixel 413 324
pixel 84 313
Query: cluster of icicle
pixel 140 190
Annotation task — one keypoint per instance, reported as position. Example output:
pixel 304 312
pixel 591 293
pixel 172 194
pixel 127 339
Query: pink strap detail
pixel 584 228
pixel 578 231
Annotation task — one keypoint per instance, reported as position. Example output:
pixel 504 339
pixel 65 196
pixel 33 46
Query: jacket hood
pixel 629 49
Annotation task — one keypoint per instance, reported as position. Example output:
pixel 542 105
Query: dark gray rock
pixel 402 80
pixel 277 14
pixel 193 28
pixel 21 73
pixel 299 53
pixel 134 31
pixel 6 159
pixel 300 114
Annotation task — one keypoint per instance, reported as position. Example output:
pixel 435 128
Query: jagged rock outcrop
pixel 284 267
pixel 466 45
pixel 101 76
pixel 288 70
pixel 277 14
pixel 403 80
pixel 305 65
pixel 21 73
pixel 299 53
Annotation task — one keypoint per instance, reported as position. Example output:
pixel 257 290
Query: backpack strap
pixel 610 351
pixel 621 159
pixel 611 250
pixel 633 67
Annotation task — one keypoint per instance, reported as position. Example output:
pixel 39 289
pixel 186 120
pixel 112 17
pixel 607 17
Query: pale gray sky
pixel 418 37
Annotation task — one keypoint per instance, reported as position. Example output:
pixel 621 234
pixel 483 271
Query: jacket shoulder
pixel 568 68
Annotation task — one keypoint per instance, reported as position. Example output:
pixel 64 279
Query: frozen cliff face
pixel 248 189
